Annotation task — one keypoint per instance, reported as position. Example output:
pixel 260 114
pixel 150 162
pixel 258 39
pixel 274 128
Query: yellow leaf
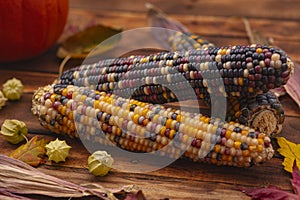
pixel 30 152
pixel 81 44
pixel 291 153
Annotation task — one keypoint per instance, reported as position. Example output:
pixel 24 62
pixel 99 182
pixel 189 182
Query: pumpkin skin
pixel 30 27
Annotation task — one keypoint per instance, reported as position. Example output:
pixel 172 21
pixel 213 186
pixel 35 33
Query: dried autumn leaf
pixel 291 153
pixel 31 152
pixel 157 18
pixel 275 193
pixel 83 42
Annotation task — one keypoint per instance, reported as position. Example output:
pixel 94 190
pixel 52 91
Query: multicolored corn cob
pixel 144 127
pixel 263 112
pixel 229 71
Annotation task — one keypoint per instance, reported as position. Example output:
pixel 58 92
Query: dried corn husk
pixel 18 178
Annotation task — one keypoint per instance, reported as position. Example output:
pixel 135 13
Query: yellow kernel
pixel 145 111
pixel 52 97
pixel 260 148
pixel 64 92
pixel 259 50
pixel 237 144
pixel 155 118
pixel 96 103
pixel 162 131
pixel 261 136
pixel 244 132
pixel 178 118
pixel 217 148
pixel 168 123
pixel 228 134
pixel 245 153
pixel 70 115
pixel 135 118
pixel 207 120
pixel 172 133
pixel 223 52
pixel 260 141
pixel 252 148
pixel 250 89
pixel 82 98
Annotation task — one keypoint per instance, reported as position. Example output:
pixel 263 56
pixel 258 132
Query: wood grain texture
pixel 218 21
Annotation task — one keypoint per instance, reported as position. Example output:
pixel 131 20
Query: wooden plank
pixel 219 30
pixel 263 9
pixel 31 80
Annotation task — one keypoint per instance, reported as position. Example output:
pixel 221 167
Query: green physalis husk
pixel 13 89
pixel 14 131
pixel 57 150
pixel 3 100
pixel 99 163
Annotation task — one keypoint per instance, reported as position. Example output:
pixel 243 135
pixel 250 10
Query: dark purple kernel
pixel 244 65
pixel 223 132
pixel 244 146
pixel 255 62
pixel 261 56
pixel 258 69
pixel 245 82
pixel 233 57
pixel 248 54
pixel 284 67
pixel 278 81
pixel 267 144
pixel 283 59
pixel 264 79
pixel 255 55
pixel 252 134
pixel 267 62
pixel 264 71
pixel 251 84
pixel 249 59
pixel 47 96
pixel 285 74
pixel 268 54
pixel 56 104
pixel 230 73
pixel 278 72
pixel 271 71
pixel 271 79
pixel 237 129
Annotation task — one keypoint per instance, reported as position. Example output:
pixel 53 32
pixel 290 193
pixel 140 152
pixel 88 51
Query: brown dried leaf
pixel 275 193
pixel 31 152
pixel 83 42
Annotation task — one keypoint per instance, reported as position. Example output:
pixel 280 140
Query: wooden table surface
pixel 221 22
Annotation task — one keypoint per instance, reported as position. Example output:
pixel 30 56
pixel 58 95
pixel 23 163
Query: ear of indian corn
pixel 144 127
pixel 242 71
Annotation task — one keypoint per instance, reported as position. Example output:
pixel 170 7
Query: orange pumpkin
pixel 30 27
